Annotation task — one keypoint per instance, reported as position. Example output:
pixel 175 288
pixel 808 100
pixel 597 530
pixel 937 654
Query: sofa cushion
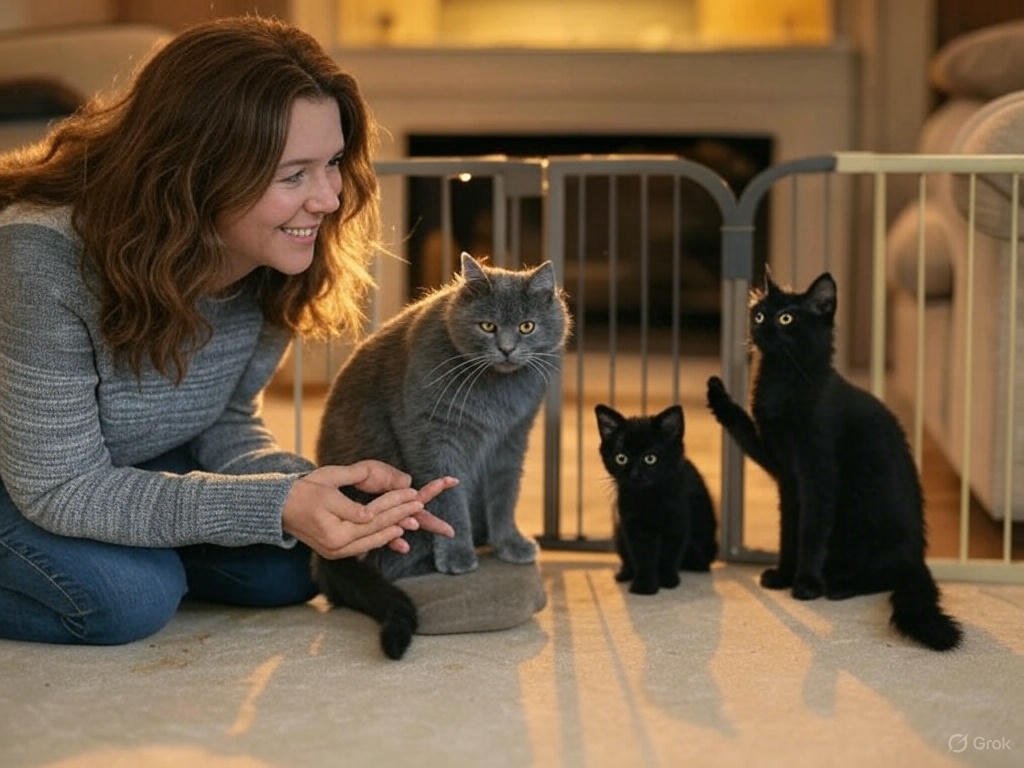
pixel 902 247
pixel 982 64
pixel 941 127
pixel 995 129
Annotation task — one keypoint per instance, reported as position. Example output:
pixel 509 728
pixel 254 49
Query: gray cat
pixel 449 386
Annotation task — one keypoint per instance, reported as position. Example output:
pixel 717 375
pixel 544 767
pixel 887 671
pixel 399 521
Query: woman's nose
pixel 324 197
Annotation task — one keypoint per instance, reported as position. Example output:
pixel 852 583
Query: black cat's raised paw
pixel 718 399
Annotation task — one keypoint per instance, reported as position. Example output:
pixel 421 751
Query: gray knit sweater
pixel 73 425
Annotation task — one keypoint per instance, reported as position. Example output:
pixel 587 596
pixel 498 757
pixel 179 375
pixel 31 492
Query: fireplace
pixel 736 158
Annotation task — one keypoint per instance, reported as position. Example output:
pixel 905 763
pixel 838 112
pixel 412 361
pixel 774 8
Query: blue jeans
pixel 56 589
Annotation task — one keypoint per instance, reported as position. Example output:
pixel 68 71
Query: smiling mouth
pixel 299 231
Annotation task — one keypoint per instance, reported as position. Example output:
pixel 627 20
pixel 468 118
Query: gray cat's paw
pixel 455 559
pixel 518 550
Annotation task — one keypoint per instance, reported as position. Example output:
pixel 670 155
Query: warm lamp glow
pixel 771 22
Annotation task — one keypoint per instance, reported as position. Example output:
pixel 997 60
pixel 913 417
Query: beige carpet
pixel 717 672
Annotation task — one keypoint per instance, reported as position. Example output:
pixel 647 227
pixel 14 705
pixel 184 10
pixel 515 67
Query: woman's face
pixel 280 230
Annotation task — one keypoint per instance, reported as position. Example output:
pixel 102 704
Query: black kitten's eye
pixel 621 459
pixel 650 458
pixel 488 327
pixel 785 318
pixel 758 317
pixel 527 326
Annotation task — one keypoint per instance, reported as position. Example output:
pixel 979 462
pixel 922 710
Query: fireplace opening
pixel 736 158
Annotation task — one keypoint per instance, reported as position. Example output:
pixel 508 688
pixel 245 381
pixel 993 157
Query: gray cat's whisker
pixel 472 380
pixel 466 370
pixel 451 371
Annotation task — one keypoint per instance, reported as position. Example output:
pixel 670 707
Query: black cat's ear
pixel 608 420
pixel 770 286
pixel 542 279
pixel 472 272
pixel 821 296
pixel 671 422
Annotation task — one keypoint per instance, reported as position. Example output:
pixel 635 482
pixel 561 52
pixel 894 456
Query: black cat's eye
pixel 621 459
pixel 785 318
pixel 527 327
pixel 488 327
pixel 650 458
pixel 759 317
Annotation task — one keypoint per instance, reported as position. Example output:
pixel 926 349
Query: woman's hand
pixel 317 513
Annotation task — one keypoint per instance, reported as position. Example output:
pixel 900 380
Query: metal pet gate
pixel 812 202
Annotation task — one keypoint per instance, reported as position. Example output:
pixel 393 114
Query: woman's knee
pixel 99 594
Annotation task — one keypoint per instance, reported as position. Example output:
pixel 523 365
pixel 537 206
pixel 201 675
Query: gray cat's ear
pixel 671 422
pixel 471 269
pixel 821 296
pixel 608 420
pixel 543 277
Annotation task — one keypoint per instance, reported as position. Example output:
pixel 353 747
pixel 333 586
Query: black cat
pixel 665 521
pixel 849 495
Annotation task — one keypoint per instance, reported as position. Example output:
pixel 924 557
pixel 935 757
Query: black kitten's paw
pixel 624 575
pixel 807 588
pixel 773 578
pixel 718 399
pixel 643 588
pixel 670 580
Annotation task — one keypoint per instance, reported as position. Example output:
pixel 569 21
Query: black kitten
pixel 665 519
pixel 849 495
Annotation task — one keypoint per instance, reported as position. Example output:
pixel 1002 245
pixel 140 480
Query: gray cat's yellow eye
pixel 650 458
pixel 488 327
pixel 621 459
pixel 759 317
pixel 785 318
pixel 527 326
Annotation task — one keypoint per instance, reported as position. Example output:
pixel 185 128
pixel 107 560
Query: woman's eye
pixel 650 458
pixel 785 318
pixel 621 459
pixel 488 327
pixel 527 326
pixel 758 317
pixel 295 178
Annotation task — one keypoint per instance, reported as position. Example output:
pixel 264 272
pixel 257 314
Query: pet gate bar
pixel 563 184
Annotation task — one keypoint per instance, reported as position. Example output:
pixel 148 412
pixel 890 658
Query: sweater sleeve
pixel 239 443
pixel 53 459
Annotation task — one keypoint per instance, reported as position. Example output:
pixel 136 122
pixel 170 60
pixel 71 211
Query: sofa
pixel 46 74
pixel 981 75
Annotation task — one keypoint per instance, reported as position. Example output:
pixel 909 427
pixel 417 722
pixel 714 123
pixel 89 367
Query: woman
pixel 159 251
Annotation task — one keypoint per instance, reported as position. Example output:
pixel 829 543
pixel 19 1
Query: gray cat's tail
pixel 916 613
pixel 357 585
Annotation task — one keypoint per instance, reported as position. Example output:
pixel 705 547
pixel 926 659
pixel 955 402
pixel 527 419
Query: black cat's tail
pixel 916 613
pixel 357 585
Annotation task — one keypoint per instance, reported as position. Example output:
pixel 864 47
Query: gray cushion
pixel 498 595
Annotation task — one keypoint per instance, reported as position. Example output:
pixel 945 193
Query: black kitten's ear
pixel 472 271
pixel 821 296
pixel 671 422
pixel 608 420
pixel 770 286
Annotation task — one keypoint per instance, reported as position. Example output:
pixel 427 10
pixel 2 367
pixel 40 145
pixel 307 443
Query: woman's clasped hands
pixel 317 513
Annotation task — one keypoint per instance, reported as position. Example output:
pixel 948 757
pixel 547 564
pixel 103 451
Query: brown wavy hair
pixel 199 133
